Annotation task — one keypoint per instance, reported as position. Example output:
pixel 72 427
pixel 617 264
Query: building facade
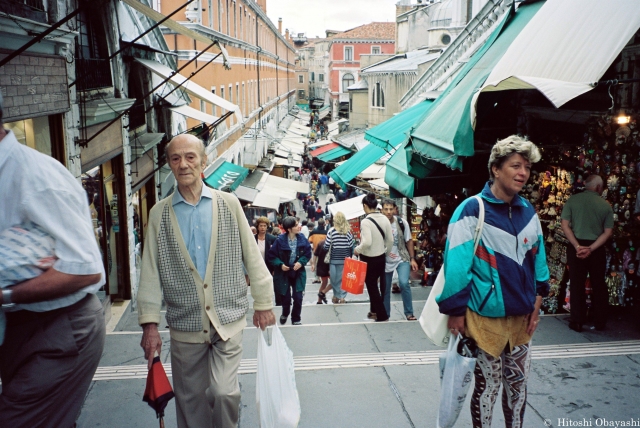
pixel 262 83
pixel 377 38
pixel 77 95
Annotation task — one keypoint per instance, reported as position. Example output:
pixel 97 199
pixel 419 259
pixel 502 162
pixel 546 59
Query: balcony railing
pixel 93 74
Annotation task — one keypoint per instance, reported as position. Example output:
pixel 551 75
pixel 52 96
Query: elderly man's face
pixel 185 160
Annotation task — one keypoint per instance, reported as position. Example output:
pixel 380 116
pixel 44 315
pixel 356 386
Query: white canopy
pixel 379 182
pixel 373 171
pixel 351 208
pixel 272 192
pixel 566 47
pixel 194 114
pixel 191 87
pixel 285 161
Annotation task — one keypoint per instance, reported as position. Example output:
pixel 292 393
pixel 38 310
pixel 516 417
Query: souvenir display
pixel 613 152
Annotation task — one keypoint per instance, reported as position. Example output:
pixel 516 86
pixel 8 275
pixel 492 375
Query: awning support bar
pixel 115 119
pixel 42 35
pixel 190 76
pixel 127 44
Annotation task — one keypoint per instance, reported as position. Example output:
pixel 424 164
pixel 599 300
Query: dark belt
pixel 25 316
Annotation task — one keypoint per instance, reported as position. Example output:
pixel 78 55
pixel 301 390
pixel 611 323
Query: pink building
pixel 377 38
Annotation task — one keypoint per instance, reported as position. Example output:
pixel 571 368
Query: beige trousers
pixel 205 381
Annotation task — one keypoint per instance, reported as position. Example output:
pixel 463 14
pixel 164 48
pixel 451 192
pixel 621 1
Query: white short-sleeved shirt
pixel 393 258
pixel 35 187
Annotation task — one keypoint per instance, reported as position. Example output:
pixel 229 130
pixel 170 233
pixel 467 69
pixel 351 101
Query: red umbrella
pixel 158 392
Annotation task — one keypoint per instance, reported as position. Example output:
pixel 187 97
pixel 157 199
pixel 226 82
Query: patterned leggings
pixel 512 370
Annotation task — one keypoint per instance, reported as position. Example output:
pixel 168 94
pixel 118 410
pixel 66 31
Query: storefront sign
pixel 227 177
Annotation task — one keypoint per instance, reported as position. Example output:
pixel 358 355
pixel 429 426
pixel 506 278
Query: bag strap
pixel 377 225
pixel 478 232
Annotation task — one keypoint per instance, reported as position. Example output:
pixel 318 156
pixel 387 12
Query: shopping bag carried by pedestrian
pixel 276 392
pixel 353 275
pixel 432 321
pixel 26 251
pixel 456 372
pixel 158 391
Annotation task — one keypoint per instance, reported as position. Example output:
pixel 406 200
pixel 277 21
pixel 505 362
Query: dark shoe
pixel 395 289
pixel 316 281
pixel 377 320
pixel 411 318
pixel 297 323
pixel 322 296
pixel 283 319
pixel 575 326
pixel 372 316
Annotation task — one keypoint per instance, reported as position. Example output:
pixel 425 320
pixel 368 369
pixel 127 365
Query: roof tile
pixel 375 30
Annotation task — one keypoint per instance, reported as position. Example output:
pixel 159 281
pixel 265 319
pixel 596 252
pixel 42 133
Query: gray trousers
pixel 47 362
pixel 205 381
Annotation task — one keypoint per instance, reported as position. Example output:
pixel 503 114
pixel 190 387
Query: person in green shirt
pixel 587 221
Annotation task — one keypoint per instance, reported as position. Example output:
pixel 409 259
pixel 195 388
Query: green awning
pixel 446 135
pixel 333 154
pixel 356 164
pixel 395 131
pixel 227 177
pixel 401 172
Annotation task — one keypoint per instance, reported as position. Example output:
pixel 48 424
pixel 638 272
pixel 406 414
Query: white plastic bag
pixel 456 374
pixel 431 320
pixel 276 392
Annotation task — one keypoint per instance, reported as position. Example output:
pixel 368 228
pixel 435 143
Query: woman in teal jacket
pixel 493 295
pixel 288 256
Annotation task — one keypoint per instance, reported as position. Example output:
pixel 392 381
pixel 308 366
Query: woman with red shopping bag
pixel 339 244
pixel 376 241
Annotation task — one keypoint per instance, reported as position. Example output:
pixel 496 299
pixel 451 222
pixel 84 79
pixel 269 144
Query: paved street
pixel 352 372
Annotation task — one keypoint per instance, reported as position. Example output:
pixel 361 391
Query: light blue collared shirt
pixel 195 226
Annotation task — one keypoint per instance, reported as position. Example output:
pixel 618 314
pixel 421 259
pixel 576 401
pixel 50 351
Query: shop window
pixel 347 80
pixel 43 134
pixel 301 94
pixel 103 187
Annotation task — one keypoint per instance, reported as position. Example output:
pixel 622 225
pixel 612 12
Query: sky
pixel 313 17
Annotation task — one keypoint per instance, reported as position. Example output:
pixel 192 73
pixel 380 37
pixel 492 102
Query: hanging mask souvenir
pixel 627 215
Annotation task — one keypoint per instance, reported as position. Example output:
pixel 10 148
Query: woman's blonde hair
pixel 262 220
pixel 340 223
pixel 503 150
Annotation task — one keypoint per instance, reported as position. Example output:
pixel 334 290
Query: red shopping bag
pixel 353 276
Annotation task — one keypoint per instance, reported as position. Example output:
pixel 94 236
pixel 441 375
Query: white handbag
pixel 432 321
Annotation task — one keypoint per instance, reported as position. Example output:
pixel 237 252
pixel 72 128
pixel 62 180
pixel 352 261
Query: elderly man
pixel 197 242
pixel 587 221
pixel 55 325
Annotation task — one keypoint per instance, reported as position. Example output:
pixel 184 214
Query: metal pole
pixel 42 35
